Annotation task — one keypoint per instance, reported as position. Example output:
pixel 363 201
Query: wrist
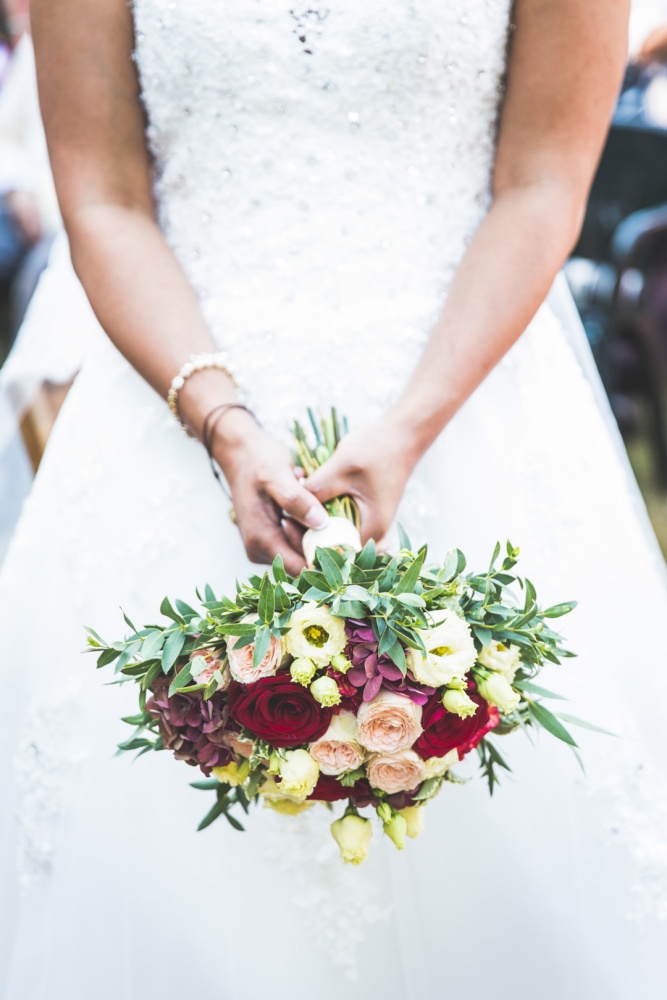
pixel 414 429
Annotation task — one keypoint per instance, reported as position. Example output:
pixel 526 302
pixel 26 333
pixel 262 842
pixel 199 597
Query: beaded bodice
pixel 319 170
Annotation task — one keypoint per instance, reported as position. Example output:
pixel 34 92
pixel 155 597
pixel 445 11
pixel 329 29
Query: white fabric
pixel 320 201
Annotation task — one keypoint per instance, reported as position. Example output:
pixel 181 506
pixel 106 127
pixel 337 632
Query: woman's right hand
pixel 266 493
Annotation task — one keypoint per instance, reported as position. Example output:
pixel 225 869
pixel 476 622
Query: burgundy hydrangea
pixel 192 728
pixel 370 672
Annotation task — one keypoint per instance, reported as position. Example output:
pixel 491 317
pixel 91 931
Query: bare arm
pixel 94 123
pixel 566 65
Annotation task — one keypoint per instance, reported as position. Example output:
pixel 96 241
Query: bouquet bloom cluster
pixel 364 680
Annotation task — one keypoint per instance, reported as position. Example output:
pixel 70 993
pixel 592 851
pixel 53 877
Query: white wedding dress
pixel 319 172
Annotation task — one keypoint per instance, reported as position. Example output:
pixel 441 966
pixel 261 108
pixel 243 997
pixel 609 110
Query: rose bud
pixel 414 820
pixel 302 670
pixel 496 689
pixel 205 665
pixel 325 691
pixel 396 829
pixel 353 834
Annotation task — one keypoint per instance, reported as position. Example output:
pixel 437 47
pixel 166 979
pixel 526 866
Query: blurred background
pixel 617 273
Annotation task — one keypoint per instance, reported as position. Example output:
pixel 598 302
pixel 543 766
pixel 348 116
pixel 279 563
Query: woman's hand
pixel 372 465
pixel 266 492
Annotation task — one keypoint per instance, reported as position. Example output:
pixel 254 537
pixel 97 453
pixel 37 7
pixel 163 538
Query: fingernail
pixel 314 519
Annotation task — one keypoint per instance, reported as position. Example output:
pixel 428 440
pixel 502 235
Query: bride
pixel 361 204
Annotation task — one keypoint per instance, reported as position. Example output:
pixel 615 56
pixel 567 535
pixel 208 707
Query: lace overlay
pixel 320 196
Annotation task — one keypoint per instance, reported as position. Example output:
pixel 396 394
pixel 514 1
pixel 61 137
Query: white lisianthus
pixel 302 670
pixel 275 798
pixel 459 702
pixel 450 652
pixel 336 532
pixel 501 658
pixel 325 691
pixel 341 663
pixel 298 774
pixel 315 634
pixel 497 690
pixel 353 835
pixel 435 767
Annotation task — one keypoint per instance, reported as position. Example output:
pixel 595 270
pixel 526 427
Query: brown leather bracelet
pixel 211 421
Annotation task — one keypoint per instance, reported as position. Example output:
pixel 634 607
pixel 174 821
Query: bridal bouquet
pixel 364 680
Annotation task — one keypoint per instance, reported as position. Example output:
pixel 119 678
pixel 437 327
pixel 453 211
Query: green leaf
pixel 172 649
pixel 267 601
pixel 411 600
pixel 278 570
pixel 530 596
pixel 585 725
pixel 403 540
pixel 368 555
pixel 166 609
pixel 330 568
pixel 262 643
pixel 548 721
pixel 182 678
pixel 211 816
pixel 128 622
pixel 93 637
pixel 557 610
pixel 152 645
pixel 205 786
pixel 397 655
pixel 348 609
pixel 408 580
pixel 208 592
pixel 496 553
pixel 483 634
pixel 232 820
pixel 186 610
pixel 536 689
pixel 107 656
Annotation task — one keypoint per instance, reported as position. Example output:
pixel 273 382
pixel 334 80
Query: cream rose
pixel 204 672
pixel 389 722
pixel 315 634
pixel 397 772
pixel 339 750
pixel 353 835
pixel 450 652
pixel 501 658
pixel 414 819
pixel 435 767
pixel 240 660
pixel 298 774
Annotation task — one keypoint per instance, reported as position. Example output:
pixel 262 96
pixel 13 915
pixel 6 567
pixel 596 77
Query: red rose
pixel 279 711
pixel 330 789
pixel 444 731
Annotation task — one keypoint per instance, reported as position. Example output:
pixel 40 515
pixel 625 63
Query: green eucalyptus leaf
pixel 262 643
pixel 167 610
pixel 409 579
pixel 267 601
pixel 172 649
pixel 557 610
pixel 368 555
pixel 182 679
pixel 403 540
pixel 330 568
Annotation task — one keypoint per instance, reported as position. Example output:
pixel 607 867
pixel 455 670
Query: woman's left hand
pixel 372 465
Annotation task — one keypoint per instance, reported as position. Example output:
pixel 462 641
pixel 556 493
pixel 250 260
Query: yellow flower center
pixel 316 635
pixel 441 651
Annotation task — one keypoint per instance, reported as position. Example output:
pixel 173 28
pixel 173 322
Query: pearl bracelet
pixel 197 363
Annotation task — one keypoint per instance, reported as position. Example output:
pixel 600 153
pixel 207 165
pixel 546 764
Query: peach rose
pixel 338 750
pixel 213 663
pixel 240 660
pixel 389 722
pixel 396 772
